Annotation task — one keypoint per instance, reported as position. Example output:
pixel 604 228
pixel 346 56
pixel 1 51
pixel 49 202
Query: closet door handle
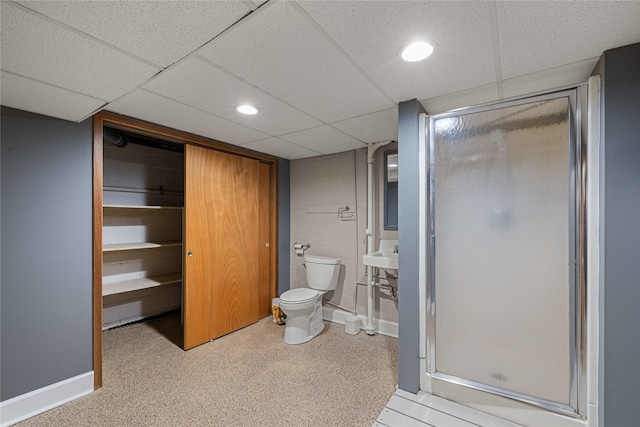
pixel 189 253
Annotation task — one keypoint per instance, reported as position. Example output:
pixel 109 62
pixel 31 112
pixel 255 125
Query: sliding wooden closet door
pixel 222 244
pixel 265 243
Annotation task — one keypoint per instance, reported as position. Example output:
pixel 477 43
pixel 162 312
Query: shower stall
pixel 503 225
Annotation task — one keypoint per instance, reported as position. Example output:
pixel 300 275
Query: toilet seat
pixel 299 296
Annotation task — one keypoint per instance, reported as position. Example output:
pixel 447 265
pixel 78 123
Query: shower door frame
pixel 577 97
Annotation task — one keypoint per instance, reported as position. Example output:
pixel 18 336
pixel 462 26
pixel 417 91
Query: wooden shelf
pixel 141 245
pixel 137 284
pixel 142 207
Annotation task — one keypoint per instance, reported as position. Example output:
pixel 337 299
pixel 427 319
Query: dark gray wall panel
pixel 284 225
pixel 46 251
pixel 408 315
pixel 599 71
pixel 621 285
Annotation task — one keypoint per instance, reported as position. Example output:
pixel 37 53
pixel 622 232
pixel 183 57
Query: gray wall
pixel 620 293
pixel 46 321
pixel 46 276
pixel 408 316
pixel 284 225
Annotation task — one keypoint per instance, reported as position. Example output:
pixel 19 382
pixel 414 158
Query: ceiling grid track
pixel 253 11
pixel 239 124
pixel 230 74
pixel 325 75
pixel 56 86
pixel 193 53
pixel 258 88
pixel 234 26
pixel 283 140
pixel 140 86
pixel 315 127
pixel 340 50
pixel 208 113
pixel 83 34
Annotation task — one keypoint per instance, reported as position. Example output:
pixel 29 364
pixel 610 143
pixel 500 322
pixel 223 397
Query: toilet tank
pixel 322 272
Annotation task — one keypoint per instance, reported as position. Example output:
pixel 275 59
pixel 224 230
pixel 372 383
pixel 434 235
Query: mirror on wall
pixel 391 190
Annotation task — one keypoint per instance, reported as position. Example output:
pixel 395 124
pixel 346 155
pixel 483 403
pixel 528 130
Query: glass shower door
pixel 503 276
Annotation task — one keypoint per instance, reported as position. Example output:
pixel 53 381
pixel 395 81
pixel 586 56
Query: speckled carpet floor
pixel 247 378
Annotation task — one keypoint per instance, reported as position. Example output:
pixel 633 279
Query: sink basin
pixel 386 260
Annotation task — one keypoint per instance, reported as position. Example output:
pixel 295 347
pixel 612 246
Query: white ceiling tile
pixel 374 32
pixel 159 31
pixel 41 50
pixel 25 94
pixel 324 139
pixel 465 98
pixel 374 127
pixel 577 72
pixel 156 109
pixel 201 85
pixel 538 35
pixel 304 63
pixel 280 148
pixel 281 52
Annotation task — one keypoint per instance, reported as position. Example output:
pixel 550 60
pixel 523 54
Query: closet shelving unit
pixel 142 229
pixel 112 288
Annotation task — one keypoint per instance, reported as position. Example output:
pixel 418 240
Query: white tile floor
pixel 423 410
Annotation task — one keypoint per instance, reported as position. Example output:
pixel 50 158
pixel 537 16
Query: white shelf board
pixel 140 207
pixel 137 284
pixel 140 245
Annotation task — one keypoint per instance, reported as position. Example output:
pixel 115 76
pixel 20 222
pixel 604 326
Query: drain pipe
pixel 369 327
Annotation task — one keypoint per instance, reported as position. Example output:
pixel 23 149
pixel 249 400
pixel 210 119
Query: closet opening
pixel 143 204
pixel 160 199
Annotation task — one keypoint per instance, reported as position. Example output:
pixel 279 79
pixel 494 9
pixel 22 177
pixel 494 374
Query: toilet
pixel 303 306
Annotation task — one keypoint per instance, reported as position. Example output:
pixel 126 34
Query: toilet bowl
pixel 303 306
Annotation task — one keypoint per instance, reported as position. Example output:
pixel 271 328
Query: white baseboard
pixel 383 327
pixel 35 402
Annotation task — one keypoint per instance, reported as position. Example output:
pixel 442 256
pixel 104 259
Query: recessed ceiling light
pixel 417 51
pixel 247 109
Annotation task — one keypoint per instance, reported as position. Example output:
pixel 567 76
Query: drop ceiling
pixel 326 75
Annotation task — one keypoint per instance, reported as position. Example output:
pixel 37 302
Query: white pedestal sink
pixel 384 257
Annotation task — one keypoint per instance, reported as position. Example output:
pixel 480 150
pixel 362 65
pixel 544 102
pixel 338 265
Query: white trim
pixel 425 384
pixel 425 404
pixel 383 327
pixel 43 399
pixel 422 229
pixel 502 407
pixel 592 415
pixel 593 247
